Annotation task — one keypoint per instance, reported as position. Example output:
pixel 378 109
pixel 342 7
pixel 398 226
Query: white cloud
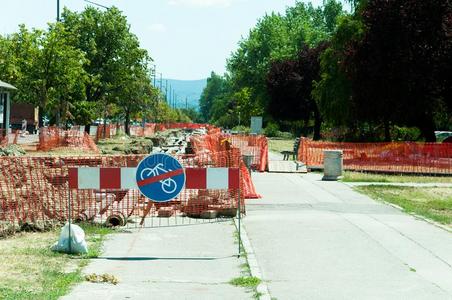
pixel 201 3
pixel 159 28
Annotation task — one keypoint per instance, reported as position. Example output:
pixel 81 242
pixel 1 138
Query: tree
pixel 333 90
pixel 216 87
pixel 407 70
pixel 104 37
pixel 290 85
pixel 277 37
pixel 46 69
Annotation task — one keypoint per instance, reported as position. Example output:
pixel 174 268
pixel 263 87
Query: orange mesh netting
pixel 213 143
pixel 397 157
pixel 3 138
pixel 53 137
pixel 34 190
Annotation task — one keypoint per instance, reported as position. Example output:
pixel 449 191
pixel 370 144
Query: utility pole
pixel 166 91
pixel 186 102
pixel 58 114
pixel 58 10
pixel 161 82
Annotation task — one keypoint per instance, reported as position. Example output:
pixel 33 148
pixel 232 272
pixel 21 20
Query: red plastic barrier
pixel 396 157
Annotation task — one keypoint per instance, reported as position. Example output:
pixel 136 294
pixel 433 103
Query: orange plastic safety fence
pixel 217 143
pixel 3 138
pixel 148 130
pixel 254 145
pixel 53 137
pixel 396 157
pixel 188 126
pixel 35 191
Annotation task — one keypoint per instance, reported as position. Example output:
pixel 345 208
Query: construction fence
pixel 395 157
pixel 149 129
pixel 217 142
pixel 3 138
pixel 8 139
pixel 34 193
pixel 54 137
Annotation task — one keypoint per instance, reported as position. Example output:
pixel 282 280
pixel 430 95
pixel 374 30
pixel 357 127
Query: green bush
pixel 405 133
pixel 272 130
pixel 242 129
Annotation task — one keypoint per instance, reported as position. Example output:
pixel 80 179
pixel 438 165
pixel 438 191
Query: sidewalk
pixel 322 240
pixel 186 262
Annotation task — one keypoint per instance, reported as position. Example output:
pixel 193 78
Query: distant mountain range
pixel 189 90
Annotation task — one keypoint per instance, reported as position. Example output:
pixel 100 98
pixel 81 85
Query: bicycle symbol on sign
pixel 169 185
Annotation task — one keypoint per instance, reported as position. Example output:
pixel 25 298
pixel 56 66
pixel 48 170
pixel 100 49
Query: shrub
pixel 242 129
pixel 272 130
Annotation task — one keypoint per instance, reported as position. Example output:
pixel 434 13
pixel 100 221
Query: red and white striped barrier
pixel 212 178
pixel 125 178
pixel 86 178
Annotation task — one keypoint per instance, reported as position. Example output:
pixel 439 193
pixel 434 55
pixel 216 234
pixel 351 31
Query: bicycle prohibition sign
pixel 160 177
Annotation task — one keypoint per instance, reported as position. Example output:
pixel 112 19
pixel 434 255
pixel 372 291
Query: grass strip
pixel 432 203
pixel 369 177
pixel 30 270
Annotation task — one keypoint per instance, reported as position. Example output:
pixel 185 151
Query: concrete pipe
pixel 116 218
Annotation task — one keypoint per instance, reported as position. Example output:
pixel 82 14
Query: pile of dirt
pixel 141 146
pixel 12 150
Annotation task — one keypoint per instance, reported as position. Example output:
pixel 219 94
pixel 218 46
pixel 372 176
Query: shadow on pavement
pixel 144 258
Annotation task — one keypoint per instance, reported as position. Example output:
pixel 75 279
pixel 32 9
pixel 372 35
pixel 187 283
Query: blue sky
pixel 186 38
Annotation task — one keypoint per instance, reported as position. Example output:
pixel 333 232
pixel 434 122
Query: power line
pixel 100 5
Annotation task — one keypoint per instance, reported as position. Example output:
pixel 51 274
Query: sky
pixel 186 38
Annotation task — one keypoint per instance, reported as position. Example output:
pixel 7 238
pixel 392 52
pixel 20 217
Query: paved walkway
pixel 322 240
pixel 189 262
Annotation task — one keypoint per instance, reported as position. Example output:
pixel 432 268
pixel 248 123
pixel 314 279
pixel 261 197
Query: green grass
pixel 368 177
pixel 30 270
pixel 246 282
pixel 432 203
pixel 278 145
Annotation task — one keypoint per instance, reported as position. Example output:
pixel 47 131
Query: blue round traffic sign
pixel 160 177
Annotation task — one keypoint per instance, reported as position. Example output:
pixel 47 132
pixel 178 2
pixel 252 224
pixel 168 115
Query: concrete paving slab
pixel 321 240
pixel 286 166
pixel 185 262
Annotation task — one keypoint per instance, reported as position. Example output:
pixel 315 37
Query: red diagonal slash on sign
pixel 160 177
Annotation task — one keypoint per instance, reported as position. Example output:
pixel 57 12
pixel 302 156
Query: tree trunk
pixel 104 129
pixel 317 123
pixel 127 123
pixel 428 131
pixel 387 131
pixel 40 116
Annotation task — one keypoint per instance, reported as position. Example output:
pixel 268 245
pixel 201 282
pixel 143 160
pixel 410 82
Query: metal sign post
pixel 69 219
pixel 239 221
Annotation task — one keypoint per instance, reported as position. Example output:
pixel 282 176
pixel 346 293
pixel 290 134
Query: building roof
pixel 7 86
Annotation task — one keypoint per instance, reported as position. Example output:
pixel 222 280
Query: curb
pixel 434 223
pixel 418 216
pixel 262 288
